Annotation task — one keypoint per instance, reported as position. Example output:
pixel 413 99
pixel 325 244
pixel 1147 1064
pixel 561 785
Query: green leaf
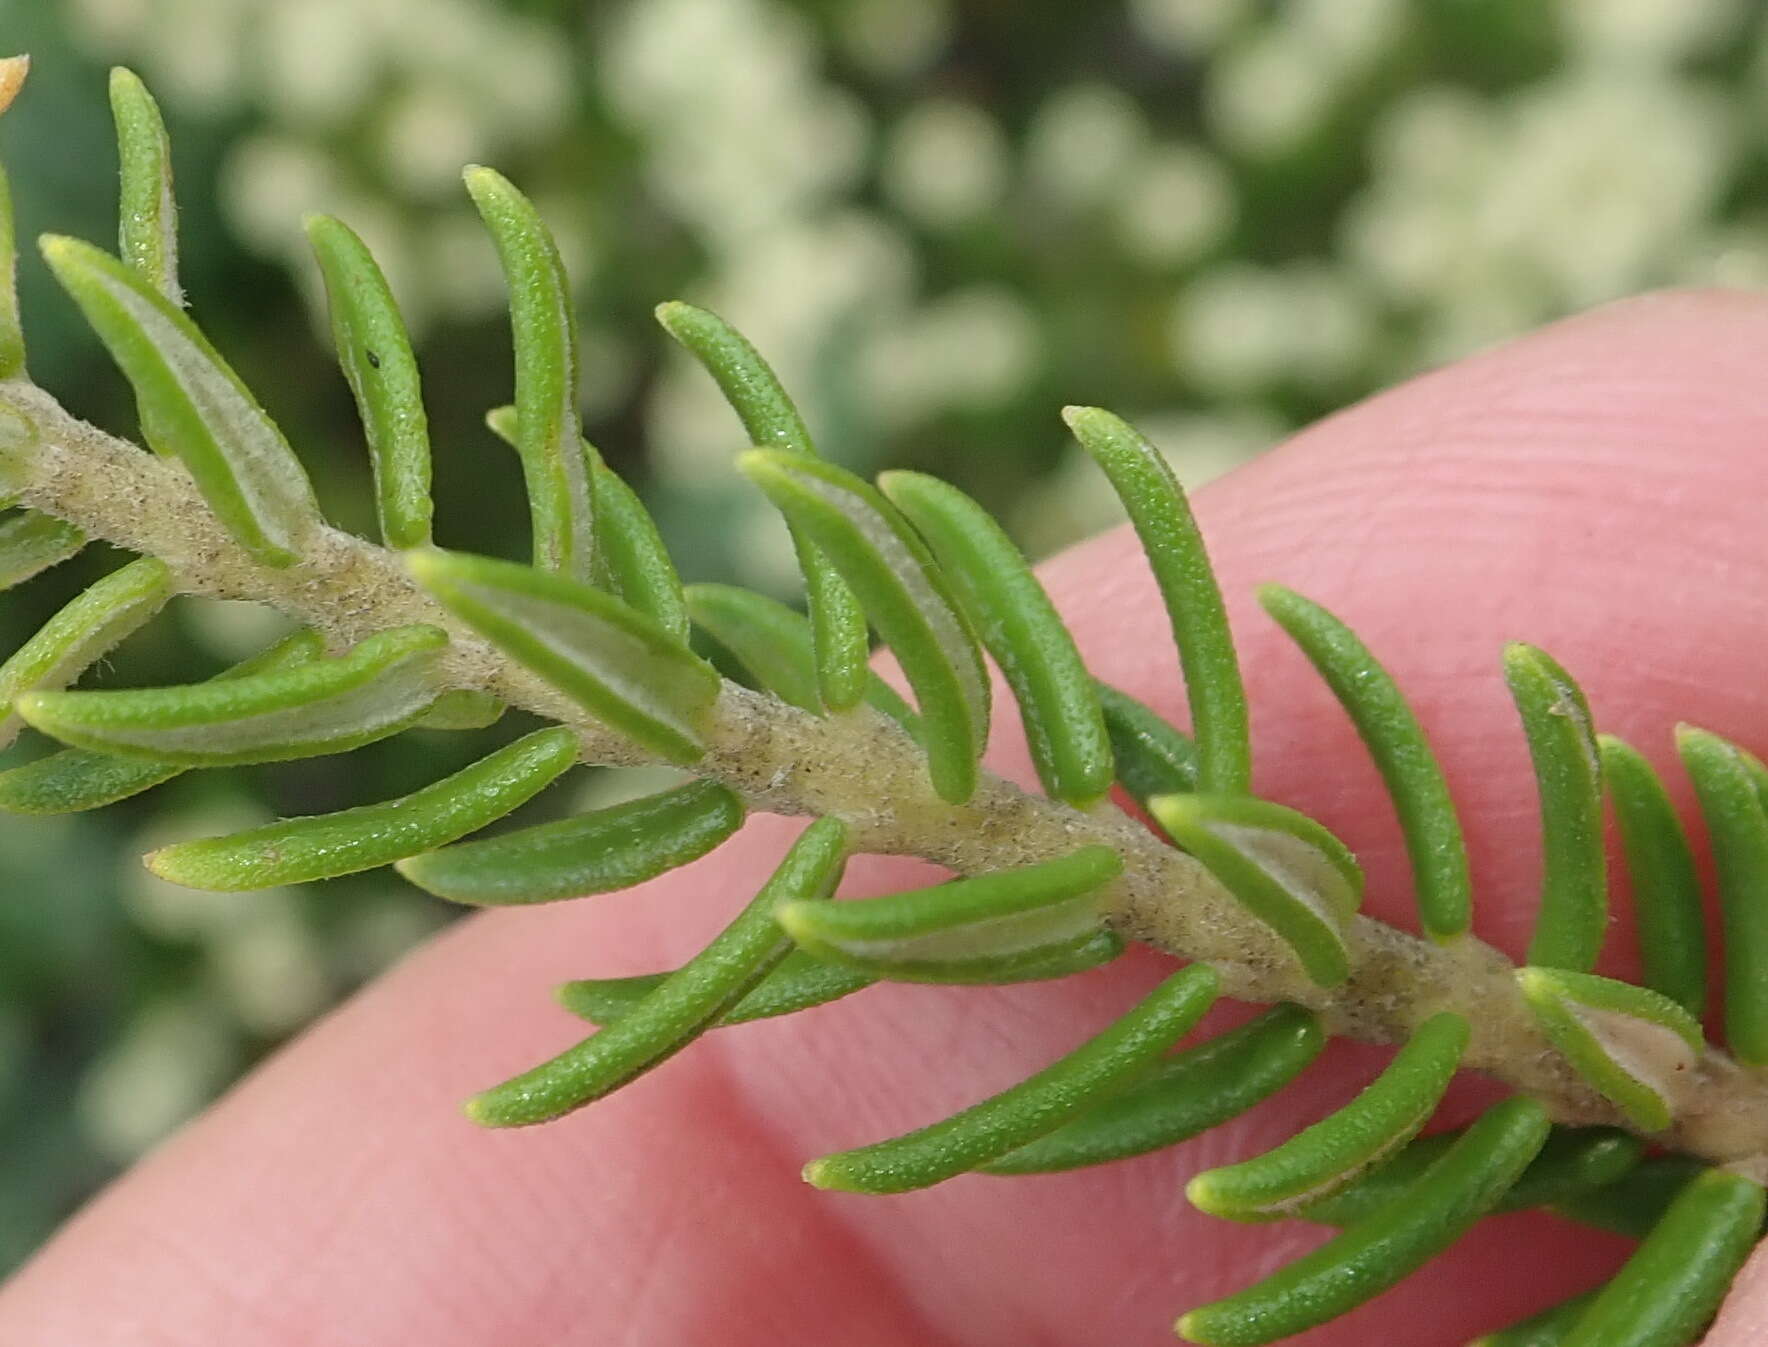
pixel 148 214
pixel 1672 1285
pixel 796 983
pixel 771 422
pixel 774 644
pixel 1666 889
pixel 903 591
pixel 31 543
pixel 1387 1246
pixel 983 929
pixel 613 661
pixel 1330 1155
pixel 12 336
pixel 1573 915
pixel 19 439
pixel 80 634
pixel 561 489
pixel 1632 1044
pixel 690 1002
pixel 197 405
pixel 628 544
pixel 462 709
pixel 1575 1161
pixel 1018 1116
pixel 1010 611
pixel 599 852
pixel 1402 754
pixel 324 846
pixel 1153 757
pixel 374 351
pixel 1634 1203
pixel 1162 520
pixel 1737 829
pixel 377 688
pixel 1180 1098
pixel 1548 1328
pixel 76 779
pixel 1284 868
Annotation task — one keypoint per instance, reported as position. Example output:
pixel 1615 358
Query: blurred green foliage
pixel 940 218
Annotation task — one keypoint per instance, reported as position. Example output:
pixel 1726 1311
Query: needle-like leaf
pixel 1152 756
pixel 1180 1098
pixel 374 351
pixel 1162 520
pixel 1632 1044
pixel 295 851
pixel 683 1007
pixel 561 489
pixel 609 849
pixel 1633 1204
pixel 1010 611
pixel 610 659
pixel 1573 913
pixel 31 543
pixel 1018 1116
pixel 1287 870
pixel 12 337
pixel 1673 1283
pixel 771 422
pixel 147 232
pixel 990 928
pixel 1386 1246
pixel 196 405
pixel 1330 1155
pixel 83 631
pixel 796 983
pixel 377 688
pixel 79 778
pixel 1738 830
pixel 1396 741
pixel 905 594
pixel 1547 1328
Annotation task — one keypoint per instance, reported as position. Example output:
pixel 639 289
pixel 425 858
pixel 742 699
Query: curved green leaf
pixel 1402 754
pixel 12 335
pixel 774 644
pixel 1015 619
pixel 609 849
pixel 1632 1044
pixel 796 983
pixel 1284 868
pixel 903 591
pixel 462 709
pixel 294 851
pixel 1162 520
pixel 1573 915
pixel 195 404
pixel 1547 1328
pixel 980 929
pixel 1152 757
pixel 148 214
pixel 683 1007
pixel 561 490
pixel 613 661
pixel 1635 1202
pixel 31 543
pixel 1328 1156
pixel 1018 1116
pixel 76 779
pixel 81 633
pixel 1666 889
pixel 1387 1246
pixel 1673 1283
pixel 374 351
pixel 1737 828
pixel 771 422
pixel 375 689
pixel 1180 1098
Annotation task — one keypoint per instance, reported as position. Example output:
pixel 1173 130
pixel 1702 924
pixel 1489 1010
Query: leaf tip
pixel 13 70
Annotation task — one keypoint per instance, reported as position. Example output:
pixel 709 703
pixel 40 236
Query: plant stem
pixel 859 767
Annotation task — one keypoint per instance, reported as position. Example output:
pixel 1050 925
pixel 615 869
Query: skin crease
pixel 1594 488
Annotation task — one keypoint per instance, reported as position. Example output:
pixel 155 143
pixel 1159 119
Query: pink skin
pixel 1595 488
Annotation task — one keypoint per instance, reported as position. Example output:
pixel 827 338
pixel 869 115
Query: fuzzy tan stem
pixel 861 769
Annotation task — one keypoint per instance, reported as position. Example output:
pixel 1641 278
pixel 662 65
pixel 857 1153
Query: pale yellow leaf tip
pixel 13 70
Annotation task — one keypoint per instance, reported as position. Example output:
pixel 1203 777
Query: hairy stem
pixel 860 768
